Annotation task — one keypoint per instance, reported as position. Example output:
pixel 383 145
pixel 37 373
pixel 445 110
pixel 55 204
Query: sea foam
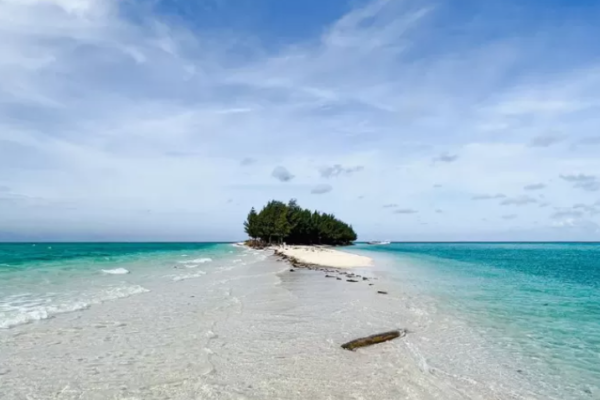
pixel 201 260
pixel 116 271
pixel 197 274
pixel 195 263
pixel 11 315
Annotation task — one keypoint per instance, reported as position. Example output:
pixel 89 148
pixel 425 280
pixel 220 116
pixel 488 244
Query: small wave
pixel 197 274
pixel 202 260
pixel 41 313
pixel 116 271
pixel 27 315
pixel 196 261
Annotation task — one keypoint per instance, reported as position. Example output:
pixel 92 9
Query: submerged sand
pixel 325 256
pixel 250 329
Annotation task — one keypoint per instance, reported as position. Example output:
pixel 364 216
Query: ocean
pixel 537 304
pixel 195 320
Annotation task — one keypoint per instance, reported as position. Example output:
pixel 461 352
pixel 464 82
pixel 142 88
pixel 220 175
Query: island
pixel 302 236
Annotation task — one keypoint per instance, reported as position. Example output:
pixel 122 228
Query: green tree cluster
pixel 278 222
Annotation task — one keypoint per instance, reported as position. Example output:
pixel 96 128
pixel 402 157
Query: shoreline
pixel 246 307
pixel 304 255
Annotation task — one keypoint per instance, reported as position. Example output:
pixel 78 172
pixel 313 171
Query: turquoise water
pixel 537 302
pixel 537 305
pixel 40 280
pixel 20 256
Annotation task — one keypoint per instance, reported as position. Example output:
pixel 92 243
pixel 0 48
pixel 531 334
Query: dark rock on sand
pixel 381 292
pixel 292 270
pixel 350 280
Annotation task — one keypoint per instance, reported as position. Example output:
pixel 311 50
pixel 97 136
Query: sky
pixel 413 120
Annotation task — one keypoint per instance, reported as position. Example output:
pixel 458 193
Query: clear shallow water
pixel 536 304
pixel 180 321
pixel 40 280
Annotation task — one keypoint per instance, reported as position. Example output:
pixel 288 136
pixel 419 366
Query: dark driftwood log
pixel 373 339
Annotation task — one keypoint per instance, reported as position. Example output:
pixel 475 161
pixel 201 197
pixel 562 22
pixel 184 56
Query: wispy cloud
pixel 588 141
pixel 546 140
pixel 405 211
pixel 518 201
pixel 111 115
pixel 566 214
pixel 445 158
pixel 535 186
pixel 247 161
pixel 391 205
pixel 488 196
pixel 337 170
pixel 582 181
pixel 590 209
pixel 509 216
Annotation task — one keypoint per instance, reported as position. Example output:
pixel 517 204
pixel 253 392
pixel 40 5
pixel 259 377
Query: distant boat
pixel 378 242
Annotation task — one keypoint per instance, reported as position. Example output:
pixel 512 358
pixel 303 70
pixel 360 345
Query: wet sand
pixel 250 330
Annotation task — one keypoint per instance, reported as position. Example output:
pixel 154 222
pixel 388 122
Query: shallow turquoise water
pixel 40 280
pixel 538 302
pixel 19 256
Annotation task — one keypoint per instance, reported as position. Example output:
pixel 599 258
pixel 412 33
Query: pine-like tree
pixel 294 225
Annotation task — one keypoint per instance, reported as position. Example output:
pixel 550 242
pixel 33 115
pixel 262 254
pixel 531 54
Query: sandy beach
pixel 225 322
pixel 325 257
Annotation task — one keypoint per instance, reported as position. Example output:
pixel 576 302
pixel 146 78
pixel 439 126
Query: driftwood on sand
pixel 373 339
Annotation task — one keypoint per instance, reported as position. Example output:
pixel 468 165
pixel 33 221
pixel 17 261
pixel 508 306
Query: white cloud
pixel 102 116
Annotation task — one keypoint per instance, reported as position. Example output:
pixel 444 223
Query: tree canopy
pixel 278 222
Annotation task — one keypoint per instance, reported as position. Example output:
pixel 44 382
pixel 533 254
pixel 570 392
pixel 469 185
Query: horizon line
pixel 241 241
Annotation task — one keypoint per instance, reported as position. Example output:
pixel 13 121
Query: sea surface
pixel 197 320
pixel 537 304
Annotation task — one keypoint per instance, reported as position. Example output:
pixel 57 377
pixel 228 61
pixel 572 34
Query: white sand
pixel 326 257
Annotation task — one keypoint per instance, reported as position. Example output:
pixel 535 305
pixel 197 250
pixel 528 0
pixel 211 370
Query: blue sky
pixel 413 120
